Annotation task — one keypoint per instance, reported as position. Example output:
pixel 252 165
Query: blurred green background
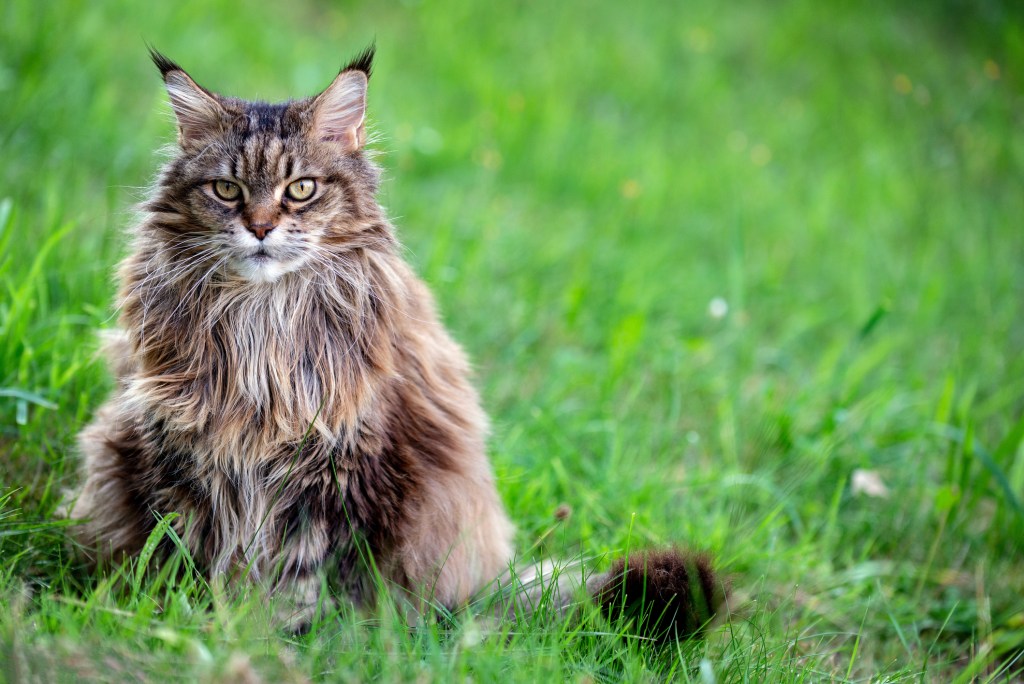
pixel 744 276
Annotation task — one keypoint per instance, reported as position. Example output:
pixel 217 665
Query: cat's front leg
pixel 307 556
pixel 298 603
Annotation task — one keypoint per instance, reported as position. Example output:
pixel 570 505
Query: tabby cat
pixel 285 385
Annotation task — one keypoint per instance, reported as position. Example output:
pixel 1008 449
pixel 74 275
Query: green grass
pixel 577 182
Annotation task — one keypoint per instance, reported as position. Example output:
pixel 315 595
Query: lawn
pixel 747 277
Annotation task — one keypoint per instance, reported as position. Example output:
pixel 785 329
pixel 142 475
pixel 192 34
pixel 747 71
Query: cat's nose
pixel 260 230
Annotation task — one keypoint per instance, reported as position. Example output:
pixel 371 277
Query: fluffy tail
pixel 670 594
pixel 667 595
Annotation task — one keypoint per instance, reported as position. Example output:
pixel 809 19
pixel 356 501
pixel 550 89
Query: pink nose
pixel 261 230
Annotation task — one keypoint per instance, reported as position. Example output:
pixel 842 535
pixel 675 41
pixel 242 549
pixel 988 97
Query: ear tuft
pixel 363 61
pixel 162 62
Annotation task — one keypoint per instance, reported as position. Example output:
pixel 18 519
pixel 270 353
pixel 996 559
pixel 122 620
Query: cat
pixel 284 383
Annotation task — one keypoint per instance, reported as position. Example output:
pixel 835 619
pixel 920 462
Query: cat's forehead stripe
pixel 261 161
pixel 243 164
pixel 272 153
pixel 264 118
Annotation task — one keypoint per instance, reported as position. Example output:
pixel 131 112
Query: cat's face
pixel 262 190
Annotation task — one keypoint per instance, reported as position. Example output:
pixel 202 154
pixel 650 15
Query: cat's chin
pixel 261 268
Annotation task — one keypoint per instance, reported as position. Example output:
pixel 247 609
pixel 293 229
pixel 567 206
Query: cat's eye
pixel 226 190
pixel 301 190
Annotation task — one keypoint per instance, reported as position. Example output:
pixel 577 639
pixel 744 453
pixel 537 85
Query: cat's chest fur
pixel 254 399
pixel 263 369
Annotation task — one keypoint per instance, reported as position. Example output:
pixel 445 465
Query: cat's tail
pixel 669 594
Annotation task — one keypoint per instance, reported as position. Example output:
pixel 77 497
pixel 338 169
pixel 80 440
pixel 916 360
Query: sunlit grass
pixel 709 260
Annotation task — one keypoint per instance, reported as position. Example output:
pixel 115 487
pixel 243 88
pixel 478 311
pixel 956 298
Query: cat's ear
pixel 200 115
pixel 339 113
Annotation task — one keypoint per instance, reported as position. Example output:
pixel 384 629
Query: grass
pixel 578 183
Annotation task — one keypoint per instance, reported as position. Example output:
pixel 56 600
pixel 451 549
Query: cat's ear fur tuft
pixel 362 62
pixel 199 113
pixel 339 113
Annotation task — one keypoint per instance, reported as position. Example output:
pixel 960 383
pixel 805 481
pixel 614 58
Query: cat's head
pixel 264 189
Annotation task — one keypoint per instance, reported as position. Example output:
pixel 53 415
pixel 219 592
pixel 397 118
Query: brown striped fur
pixel 300 406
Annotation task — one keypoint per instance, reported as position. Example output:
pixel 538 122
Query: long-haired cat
pixel 284 383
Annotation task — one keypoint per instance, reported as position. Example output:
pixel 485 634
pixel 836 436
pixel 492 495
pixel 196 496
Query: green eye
pixel 301 190
pixel 226 190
